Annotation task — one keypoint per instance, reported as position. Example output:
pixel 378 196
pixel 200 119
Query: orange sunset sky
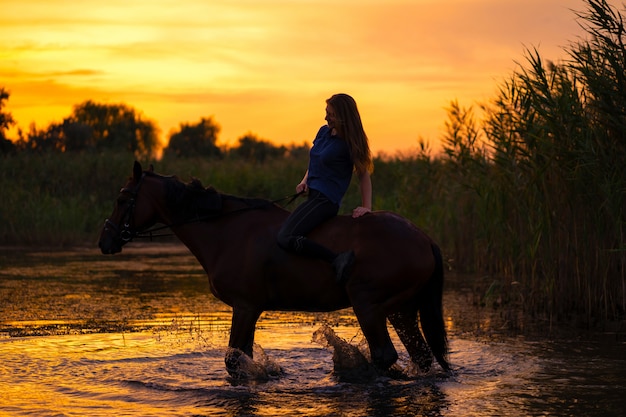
pixel 266 67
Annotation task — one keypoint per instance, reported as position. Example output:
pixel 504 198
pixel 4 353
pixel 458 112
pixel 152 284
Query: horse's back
pixel 376 231
pixel 394 258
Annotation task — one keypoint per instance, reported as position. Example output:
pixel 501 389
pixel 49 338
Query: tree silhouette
pixel 92 127
pixel 195 140
pixel 6 121
pixel 110 126
pixel 254 149
pixel 44 140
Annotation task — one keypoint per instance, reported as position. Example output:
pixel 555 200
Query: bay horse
pixel 398 271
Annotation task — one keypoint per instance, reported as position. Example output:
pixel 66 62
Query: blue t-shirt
pixel 330 165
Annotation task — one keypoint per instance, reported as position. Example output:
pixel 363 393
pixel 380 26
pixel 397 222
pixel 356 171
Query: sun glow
pixel 267 67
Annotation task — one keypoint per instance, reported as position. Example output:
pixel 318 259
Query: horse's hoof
pixel 232 361
pixel 425 363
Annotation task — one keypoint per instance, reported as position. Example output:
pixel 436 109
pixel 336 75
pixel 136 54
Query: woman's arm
pixel 365 184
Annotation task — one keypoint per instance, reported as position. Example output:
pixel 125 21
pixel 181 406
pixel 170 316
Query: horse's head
pixel 132 213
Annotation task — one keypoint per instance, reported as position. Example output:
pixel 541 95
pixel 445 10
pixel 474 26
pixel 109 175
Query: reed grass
pixel 543 181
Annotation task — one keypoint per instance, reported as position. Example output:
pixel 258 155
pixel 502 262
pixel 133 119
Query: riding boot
pixel 342 263
pixel 309 248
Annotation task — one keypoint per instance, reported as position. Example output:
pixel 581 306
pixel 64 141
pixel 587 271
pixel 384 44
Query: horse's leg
pixel 241 336
pixel 374 326
pixel 405 323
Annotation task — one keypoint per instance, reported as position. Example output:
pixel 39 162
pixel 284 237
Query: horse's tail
pixel 431 313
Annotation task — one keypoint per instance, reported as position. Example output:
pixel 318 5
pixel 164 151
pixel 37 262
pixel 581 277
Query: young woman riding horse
pixel 398 276
pixel 339 148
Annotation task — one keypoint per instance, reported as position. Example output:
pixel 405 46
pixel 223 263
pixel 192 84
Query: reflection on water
pixel 139 334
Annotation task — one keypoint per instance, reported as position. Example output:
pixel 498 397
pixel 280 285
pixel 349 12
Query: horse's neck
pixel 228 231
pixel 198 239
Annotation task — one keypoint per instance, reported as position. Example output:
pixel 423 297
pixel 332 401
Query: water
pixel 138 334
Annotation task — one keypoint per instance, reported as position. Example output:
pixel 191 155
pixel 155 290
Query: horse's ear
pixel 137 171
pixel 151 169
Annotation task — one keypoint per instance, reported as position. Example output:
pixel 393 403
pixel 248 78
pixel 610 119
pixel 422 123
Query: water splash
pixel 350 363
pixel 242 367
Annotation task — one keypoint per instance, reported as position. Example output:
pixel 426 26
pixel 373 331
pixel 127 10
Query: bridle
pixel 128 233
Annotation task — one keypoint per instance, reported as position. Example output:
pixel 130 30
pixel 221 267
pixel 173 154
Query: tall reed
pixel 544 179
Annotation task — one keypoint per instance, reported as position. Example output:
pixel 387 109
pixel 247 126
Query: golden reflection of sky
pixel 266 67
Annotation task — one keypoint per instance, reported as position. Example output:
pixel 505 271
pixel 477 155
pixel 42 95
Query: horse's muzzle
pixel 108 246
pixel 109 243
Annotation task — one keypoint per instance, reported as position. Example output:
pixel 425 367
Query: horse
pixel 398 273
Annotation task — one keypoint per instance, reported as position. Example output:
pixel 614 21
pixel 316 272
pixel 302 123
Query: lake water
pixel 138 334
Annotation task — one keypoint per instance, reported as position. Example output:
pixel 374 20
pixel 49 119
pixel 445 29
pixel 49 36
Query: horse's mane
pixel 189 200
pixel 194 200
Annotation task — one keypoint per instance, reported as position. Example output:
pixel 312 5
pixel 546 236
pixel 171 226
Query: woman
pixel 339 148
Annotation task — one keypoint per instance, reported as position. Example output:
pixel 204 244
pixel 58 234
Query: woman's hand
pixel 359 211
pixel 302 188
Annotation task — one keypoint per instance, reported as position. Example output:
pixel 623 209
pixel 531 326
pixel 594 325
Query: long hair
pixel 350 128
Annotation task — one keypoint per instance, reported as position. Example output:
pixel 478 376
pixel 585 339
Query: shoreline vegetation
pixel 532 194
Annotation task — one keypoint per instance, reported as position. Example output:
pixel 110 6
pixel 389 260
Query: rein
pixel 150 233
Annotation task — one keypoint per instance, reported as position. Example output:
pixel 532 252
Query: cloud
pixel 35 75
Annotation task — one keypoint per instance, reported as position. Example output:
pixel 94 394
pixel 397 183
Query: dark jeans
pixel 306 217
